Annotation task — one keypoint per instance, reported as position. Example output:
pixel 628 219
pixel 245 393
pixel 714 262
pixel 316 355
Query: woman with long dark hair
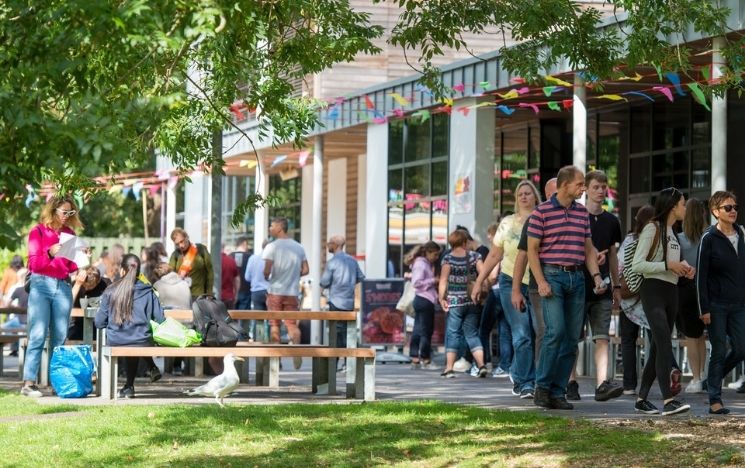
pixel 688 322
pixel 658 259
pixel 721 295
pixel 422 260
pixel 127 306
pixel 50 296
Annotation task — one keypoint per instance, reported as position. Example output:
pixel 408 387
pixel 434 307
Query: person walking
pixel 241 256
pixel 230 283
pixel 285 263
pixel 422 260
pixel 193 263
pixel 658 259
pixel 559 247
pixel 504 250
pixel 50 297
pixel 127 307
pixel 721 296
pixel 688 321
pixel 460 268
pixel 340 277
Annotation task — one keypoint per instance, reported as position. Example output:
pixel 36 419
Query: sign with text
pixel 382 324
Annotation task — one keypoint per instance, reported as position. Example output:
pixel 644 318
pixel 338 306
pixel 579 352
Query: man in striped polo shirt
pixel 559 246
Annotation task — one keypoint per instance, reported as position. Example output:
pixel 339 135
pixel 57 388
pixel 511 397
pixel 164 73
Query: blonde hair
pixel 532 187
pixel 49 210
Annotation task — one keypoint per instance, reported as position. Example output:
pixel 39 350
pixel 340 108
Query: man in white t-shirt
pixel 285 263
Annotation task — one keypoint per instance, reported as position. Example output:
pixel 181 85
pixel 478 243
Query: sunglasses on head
pixel 66 213
pixel 729 208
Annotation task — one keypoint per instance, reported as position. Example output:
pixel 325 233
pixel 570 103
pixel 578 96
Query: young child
pixel 127 306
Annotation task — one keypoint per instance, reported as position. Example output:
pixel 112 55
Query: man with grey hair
pixel 340 277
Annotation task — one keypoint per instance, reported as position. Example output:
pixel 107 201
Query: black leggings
pixel 660 302
pixel 130 368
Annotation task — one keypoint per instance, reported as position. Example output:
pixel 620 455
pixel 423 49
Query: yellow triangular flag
pixel 558 81
pixel 400 100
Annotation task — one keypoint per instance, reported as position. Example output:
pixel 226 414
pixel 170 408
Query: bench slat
pixel 254 350
pixel 187 315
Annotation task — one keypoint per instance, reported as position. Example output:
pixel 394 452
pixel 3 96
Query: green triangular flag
pixel 554 106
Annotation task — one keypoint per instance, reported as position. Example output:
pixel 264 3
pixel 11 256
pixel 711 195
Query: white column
pixel 261 215
pixel 361 205
pixel 472 165
pixel 315 266
pixel 718 125
pixel 196 208
pixel 376 201
pixel 579 121
pixel 336 204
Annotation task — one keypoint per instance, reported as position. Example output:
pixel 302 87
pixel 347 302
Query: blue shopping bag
pixel 71 371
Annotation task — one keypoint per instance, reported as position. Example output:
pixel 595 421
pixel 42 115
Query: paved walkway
pixel 395 382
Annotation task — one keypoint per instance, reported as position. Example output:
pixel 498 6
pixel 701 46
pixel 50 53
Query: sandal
pixel 448 374
pixel 721 410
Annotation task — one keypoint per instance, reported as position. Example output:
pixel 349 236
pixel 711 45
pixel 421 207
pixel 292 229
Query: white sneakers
pixel 695 386
pixel 461 365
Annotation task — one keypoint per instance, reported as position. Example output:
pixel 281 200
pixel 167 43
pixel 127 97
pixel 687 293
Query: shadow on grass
pixel 430 433
pixel 14 404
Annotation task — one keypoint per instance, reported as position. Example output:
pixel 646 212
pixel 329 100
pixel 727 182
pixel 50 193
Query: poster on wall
pixel 463 198
pixel 382 324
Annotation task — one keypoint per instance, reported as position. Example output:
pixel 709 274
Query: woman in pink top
pixel 422 260
pixel 50 298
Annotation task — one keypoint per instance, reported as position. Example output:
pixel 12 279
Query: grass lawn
pixel 405 434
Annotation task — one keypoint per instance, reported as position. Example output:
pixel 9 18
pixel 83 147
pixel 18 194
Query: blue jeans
pixel 505 344
pixel 463 322
pixel 564 315
pixel 727 320
pixel 522 370
pixel 424 325
pixel 491 311
pixel 258 302
pixel 243 301
pixel 49 306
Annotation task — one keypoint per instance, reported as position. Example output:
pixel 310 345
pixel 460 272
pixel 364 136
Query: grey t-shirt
pixel 287 256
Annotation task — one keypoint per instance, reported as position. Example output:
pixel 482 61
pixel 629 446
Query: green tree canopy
pixel 94 87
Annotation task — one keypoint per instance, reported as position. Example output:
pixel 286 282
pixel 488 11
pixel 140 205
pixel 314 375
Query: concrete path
pixel 395 382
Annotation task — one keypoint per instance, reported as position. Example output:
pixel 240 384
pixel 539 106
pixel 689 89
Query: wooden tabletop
pixel 187 315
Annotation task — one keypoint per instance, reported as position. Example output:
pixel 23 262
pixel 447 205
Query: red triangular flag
pixel 368 102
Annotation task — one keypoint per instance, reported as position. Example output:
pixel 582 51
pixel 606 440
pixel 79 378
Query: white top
pixel 656 268
pixel 733 240
pixel 287 256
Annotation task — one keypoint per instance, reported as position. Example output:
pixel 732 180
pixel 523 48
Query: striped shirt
pixel 562 232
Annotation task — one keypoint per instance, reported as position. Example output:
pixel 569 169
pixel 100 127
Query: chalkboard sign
pixel 382 324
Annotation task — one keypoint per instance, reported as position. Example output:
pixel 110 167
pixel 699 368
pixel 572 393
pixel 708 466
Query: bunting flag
pixel 400 100
pixel 639 93
pixel 398 113
pixel 235 109
pixel 278 160
pixel 380 120
pixel 505 110
pixel 333 113
pixel 368 102
pixel 154 189
pixel 422 89
pixel 517 79
pixel 567 103
pixel 125 191
pixel 549 90
pixel 532 106
pixel 446 109
pixel 483 104
pixel 172 182
pixel 136 189
pixel 675 80
pixel 460 87
pixel 423 114
pixel 485 85
pixel 698 95
pixel 554 106
pixel 448 102
pixel 612 97
pixel 303 159
pixel 705 73
pixel 665 91
pixel 464 110
pixel 511 94
pixel 558 81
pixel 248 163
pixel 636 77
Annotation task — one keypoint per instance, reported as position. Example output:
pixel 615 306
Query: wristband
pixel 616 287
pixel 596 274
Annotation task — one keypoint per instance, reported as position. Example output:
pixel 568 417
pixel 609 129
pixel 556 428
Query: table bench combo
pixel 360 378
pixel 10 335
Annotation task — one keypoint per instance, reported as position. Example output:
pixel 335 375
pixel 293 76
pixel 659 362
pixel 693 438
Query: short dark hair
pixel 718 197
pixel 241 240
pixel 566 174
pixel 464 229
pixel 596 175
pixel 282 221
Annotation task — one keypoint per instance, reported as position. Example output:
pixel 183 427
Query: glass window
pixel 639 181
pixel 440 178
pixel 288 192
pixel 396 142
pixel 416 183
pixel 534 156
pixel 700 168
pixel 514 165
pixel 440 135
pixel 418 144
pixel 395 185
pixel 671 124
pixel 417 222
pixel 592 140
pixel 701 125
pixel 640 128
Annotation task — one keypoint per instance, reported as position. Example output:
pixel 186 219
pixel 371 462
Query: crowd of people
pixel 130 290
pixel 559 268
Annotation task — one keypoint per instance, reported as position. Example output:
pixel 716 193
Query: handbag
pixel 631 282
pixel 406 303
pixel 174 334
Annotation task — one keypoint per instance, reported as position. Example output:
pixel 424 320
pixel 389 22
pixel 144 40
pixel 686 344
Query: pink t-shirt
pixel 40 240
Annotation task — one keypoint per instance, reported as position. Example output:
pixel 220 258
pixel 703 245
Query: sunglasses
pixel 66 214
pixel 729 208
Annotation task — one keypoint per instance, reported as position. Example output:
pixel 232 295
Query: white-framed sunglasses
pixel 66 214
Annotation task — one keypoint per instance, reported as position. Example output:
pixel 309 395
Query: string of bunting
pixel 554 87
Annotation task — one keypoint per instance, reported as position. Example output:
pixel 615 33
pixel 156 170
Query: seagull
pixel 222 384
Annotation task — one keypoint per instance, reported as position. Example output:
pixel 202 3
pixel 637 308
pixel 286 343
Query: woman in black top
pixel 721 295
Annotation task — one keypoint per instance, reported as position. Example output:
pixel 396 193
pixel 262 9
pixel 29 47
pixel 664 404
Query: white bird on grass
pixel 221 385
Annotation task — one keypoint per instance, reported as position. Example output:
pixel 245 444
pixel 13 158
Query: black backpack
pixel 212 321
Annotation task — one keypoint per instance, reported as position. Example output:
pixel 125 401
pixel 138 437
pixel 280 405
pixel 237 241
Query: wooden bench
pixel 9 336
pixel 324 381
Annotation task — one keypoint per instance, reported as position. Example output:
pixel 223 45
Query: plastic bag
pixel 406 303
pixel 71 371
pixel 174 334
